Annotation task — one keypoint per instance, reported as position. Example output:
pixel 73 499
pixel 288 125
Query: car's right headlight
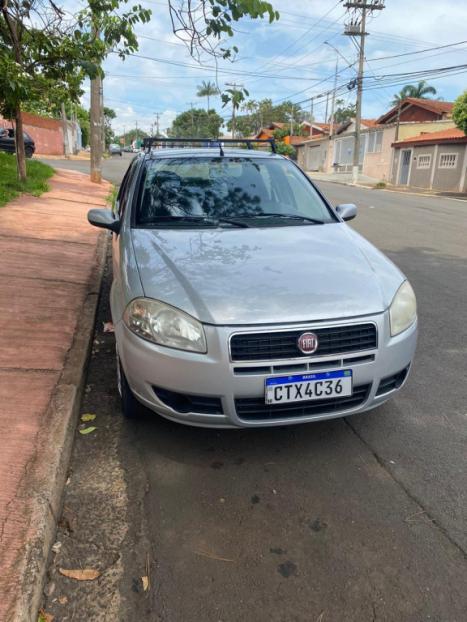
pixel 403 309
pixel 165 325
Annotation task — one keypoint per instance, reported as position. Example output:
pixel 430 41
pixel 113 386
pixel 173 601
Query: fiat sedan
pixel 241 297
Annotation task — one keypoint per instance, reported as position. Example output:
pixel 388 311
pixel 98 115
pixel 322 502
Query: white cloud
pixel 294 46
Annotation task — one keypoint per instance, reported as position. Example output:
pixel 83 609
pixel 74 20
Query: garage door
pixel 313 158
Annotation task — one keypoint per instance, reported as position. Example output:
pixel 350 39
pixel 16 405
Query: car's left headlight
pixel 165 325
pixel 403 309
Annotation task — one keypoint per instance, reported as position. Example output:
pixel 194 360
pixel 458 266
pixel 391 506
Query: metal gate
pixel 313 158
pixel 405 166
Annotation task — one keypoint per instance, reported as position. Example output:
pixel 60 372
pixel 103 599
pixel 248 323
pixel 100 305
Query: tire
pixel 29 152
pixel 130 405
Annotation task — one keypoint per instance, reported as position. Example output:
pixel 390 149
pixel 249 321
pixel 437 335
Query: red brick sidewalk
pixel 50 265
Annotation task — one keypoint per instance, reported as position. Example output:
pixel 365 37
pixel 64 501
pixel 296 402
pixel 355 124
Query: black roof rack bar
pixel 215 142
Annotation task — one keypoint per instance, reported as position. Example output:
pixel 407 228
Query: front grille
pixel 392 382
pixel 183 403
pixel 255 409
pixel 283 344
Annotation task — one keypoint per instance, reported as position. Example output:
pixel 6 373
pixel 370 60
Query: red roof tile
pixel 433 105
pixel 369 122
pixel 452 134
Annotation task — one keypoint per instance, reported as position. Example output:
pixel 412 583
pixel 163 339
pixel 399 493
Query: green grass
pixel 10 187
pixel 112 197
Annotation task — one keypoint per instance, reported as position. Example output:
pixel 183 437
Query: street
pixel 355 519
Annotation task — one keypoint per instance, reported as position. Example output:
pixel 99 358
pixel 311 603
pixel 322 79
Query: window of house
pixel 375 142
pixel 424 161
pixel 447 160
pixel 379 142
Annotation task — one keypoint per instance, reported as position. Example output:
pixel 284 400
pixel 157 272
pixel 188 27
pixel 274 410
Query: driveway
pixel 348 520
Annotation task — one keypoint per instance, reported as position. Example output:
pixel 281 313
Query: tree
pixel 196 123
pixel 459 112
pixel 263 113
pixel 109 114
pixel 206 89
pixel 45 54
pixel 342 112
pixel 83 119
pixel 133 135
pixel 419 91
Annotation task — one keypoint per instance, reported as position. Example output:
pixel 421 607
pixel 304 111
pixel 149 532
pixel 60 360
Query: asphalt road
pixel 349 520
pixel 113 167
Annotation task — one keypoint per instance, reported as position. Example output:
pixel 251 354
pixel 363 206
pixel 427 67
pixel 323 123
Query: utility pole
pixel 326 111
pixel 235 87
pixel 191 104
pixel 95 118
pixel 66 145
pixel 359 10
pixel 95 133
pixel 158 114
pixel 333 100
pixel 102 116
pixel 124 137
pixel 136 133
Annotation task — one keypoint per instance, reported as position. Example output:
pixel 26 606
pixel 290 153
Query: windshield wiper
pixel 201 219
pixel 289 217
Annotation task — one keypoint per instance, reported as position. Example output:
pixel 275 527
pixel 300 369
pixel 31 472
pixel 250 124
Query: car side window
pixel 124 189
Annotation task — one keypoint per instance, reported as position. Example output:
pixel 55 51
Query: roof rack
pixel 207 142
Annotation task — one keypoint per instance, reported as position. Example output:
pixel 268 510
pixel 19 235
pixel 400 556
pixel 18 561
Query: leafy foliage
pixel 207 89
pixel 420 91
pixel 285 149
pixel 263 113
pixel 132 135
pixel 459 112
pixel 196 123
pixel 344 113
pixel 201 24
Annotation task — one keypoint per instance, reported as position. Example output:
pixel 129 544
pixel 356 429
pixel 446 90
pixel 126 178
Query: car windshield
pixel 201 191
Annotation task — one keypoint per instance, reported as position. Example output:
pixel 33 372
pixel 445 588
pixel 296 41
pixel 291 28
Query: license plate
pixel 306 387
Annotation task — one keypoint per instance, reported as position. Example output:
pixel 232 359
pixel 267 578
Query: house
pixel 408 118
pixel 268 132
pixel 316 130
pixel 413 109
pixel 433 160
pixel 333 154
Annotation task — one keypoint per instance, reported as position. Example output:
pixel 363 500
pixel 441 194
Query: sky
pixel 289 60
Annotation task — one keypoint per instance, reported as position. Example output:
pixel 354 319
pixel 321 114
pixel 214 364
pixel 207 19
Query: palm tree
pixel 206 89
pixel 419 91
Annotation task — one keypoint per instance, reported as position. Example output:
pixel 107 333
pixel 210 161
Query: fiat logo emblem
pixel 307 343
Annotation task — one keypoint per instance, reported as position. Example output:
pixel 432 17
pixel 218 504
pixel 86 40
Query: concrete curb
pixel 396 190
pixel 54 445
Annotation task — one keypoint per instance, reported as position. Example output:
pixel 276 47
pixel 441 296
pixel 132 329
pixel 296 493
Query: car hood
pixel 265 275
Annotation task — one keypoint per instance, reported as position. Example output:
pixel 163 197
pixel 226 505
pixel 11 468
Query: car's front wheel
pixel 130 404
pixel 29 152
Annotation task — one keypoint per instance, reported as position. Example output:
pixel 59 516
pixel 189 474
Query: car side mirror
pixel 346 211
pixel 104 218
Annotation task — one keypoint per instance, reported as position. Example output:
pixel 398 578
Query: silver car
pixel 241 298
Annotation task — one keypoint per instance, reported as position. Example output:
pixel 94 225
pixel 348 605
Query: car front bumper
pixel 153 370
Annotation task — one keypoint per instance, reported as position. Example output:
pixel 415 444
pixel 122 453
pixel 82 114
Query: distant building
pixel 334 154
pixel 48 133
pixel 432 160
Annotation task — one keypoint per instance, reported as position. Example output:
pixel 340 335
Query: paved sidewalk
pixel 369 182
pixel 50 271
pixel 342 178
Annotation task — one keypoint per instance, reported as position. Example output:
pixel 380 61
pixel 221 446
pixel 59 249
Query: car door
pixel 7 142
pixel 120 252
